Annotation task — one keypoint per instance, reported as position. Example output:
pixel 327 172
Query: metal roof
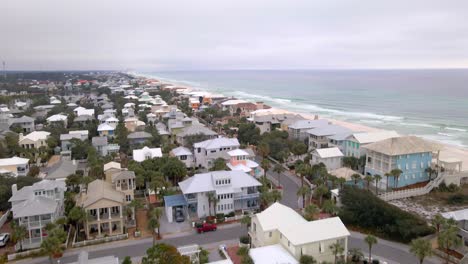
pixel 175 200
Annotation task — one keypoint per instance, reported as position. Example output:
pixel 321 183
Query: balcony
pixel 105 217
pixel 247 196
pixel 35 224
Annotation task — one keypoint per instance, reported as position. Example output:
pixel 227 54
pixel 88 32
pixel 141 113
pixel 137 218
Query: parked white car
pixel 4 237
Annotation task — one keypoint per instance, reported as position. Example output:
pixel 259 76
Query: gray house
pixel 25 122
pixel 139 137
pixel 103 147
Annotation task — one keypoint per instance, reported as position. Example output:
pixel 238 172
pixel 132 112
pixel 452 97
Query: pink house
pixel 241 160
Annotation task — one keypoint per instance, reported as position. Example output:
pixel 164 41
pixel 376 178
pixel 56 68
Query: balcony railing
pixel 36 224
pixel 247 196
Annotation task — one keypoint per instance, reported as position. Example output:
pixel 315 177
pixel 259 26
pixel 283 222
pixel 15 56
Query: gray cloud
pixel 171 35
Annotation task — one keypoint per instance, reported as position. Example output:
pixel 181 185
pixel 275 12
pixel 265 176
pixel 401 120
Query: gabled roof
pixel 217 143
pixel 99 189
pixel 403 146
pixel 329 130
pixel 23 119
pixel 105 127
pixel 180 151
pixel 328 152
pixel 196 130
pixel 314 231
pixel 371 137
pixel 58 117
pixel 122 175
pixel 37 135
pixel 112 165
pixel 27 192
pixel 456 215
pixel 99 141
pixel 38 205
pixel 141 154
pixel 237 152
pixel 62 169
pixel 279 216
pixel 203 182
pixel 344 173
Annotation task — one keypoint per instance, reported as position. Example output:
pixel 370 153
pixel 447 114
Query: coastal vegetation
pixel 363 210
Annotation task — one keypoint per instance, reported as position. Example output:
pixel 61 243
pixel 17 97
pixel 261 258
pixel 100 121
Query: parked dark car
pixel 206 227
pixel 179 216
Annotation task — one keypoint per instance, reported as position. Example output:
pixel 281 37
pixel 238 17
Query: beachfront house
pixel 354 142
pixel 104 206
pixel 242 160
pixel 331 157
pixel 183 154
pixel 410 154
pixel 139 155
pixel 35 206
pixel 268 120
pixel 206 152
pixel 298 130
pixel 281 225
pixel 231 190
pixel 461 217
pixel 319 137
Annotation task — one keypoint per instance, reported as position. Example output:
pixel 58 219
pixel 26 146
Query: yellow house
pixel 104 207
pixel 33 140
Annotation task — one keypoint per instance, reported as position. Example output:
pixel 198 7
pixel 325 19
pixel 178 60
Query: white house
pixel 233 190
pixel 15 165
pixel 33 140
pixel 106 130
pixel 79 111
pixel 298 130
pixel 35 206
pixel 183 154
pixel 206 152
pixel 331 157
pixel 145 153
pixel 281 225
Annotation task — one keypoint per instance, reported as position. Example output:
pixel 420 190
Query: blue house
pixel 412 155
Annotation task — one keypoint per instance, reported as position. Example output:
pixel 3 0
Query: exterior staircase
pixel 389 196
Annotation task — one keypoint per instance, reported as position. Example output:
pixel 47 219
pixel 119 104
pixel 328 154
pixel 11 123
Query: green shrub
pixel 365 210
pixel 457 199
pixel 244 239
pixel 231 214
pixel 220 218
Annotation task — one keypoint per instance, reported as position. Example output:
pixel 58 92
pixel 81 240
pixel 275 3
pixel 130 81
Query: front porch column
pixel 121 226
pixel 40 228
pixel 109 212
pixel 120 211
pixel 98 214
pixel 110 228
pixel 133 215
pixel 99 229
pixel 29 229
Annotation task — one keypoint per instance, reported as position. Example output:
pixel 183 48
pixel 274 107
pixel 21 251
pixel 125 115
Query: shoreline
pixel 449 151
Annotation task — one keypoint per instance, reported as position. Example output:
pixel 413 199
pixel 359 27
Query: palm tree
pixel 370 241
pixel 18 233
pixel 246 220
pixel 356 177
pixel 78 216
pixel 279 169
pixel 447 239
pixel 438 221
pixel 134 205
pixel 368 179
pixel 302 170
pixel 356 255
pixel 430 171
pixel 337 249
pixel 388 175
pixel 377 179
pixel 320 191
pixel 154 216
pixel 265 164
pixel 396 173
pixel 341 182
pixel 311 211
pixel 302 192
pixel 329 207
pixel 263 149
pixel 333 180
pixel 276 195
pixel 212 199
pixel 421 248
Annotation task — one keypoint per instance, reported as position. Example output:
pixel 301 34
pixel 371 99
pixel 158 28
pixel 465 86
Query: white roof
pixel 217 143
pixel 370 137
pixel 271 254
pixel 83 111
pixel 27 192
pixel 112 165
pixel 329 152
pixel 239 167
pixel 328 130
pixel 204 182
pixel 233 102
pixel 58 117
pixel 142 154
pixel 344 173
pixel 314 231
pixel 304 124
pixel 237 152
pixel 279 216
pixel 105 127
pixel 456 215
pixel 180 151
pixel 38 205
pixel 37 135
pixel 13 161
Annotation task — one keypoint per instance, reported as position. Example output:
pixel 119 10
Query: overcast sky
pixel 252 34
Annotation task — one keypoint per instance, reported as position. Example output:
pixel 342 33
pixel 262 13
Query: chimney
pixel 14 188
pixel 20 137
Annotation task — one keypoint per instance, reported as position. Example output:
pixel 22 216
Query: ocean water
pixel 428 103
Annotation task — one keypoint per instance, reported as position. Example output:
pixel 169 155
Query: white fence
pixel 4 218
pixel 99 240
pixel 413 192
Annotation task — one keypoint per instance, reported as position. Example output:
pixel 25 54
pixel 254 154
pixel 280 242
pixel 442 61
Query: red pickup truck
pixel 206 227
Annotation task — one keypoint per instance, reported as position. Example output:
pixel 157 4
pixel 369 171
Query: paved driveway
pixel 174 227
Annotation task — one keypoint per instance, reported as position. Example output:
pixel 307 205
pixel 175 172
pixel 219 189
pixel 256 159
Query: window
pixel 128 198
pixel 270 234
pixel 183 157
pixel 422 164
pixel 254 227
